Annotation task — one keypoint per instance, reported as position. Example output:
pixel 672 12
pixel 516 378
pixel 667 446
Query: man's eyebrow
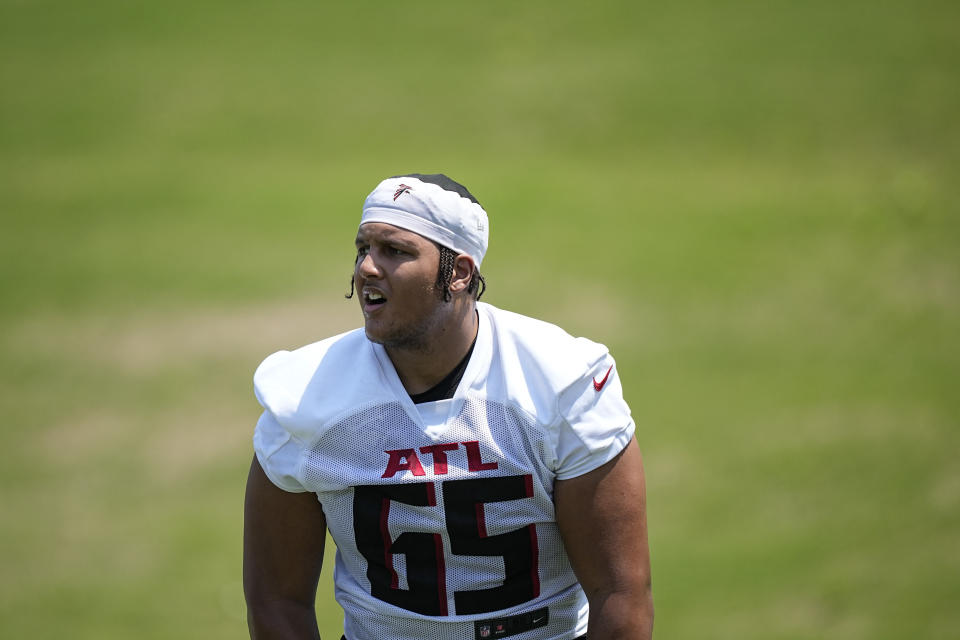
pixel 361 238
pixel 388 237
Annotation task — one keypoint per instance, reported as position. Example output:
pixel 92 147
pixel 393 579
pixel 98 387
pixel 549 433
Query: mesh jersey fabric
pixel 442 513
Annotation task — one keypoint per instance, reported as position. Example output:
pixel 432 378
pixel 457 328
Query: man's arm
pixel 283 539
pixel 602 518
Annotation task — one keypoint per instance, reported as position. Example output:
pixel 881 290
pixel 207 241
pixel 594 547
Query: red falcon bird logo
pixel 399 192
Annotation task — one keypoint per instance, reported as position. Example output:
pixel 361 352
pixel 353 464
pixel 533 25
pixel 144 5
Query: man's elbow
pixel 623 612
pixel 646 609
pixel 276 619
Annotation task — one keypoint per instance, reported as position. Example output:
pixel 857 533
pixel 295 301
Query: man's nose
pixel 368 267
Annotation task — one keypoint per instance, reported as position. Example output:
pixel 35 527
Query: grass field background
pixel 754 204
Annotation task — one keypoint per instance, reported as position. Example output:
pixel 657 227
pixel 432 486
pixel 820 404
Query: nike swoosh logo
pixel 599 385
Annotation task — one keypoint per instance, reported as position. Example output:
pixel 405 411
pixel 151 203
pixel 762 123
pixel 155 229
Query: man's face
pixel 395 277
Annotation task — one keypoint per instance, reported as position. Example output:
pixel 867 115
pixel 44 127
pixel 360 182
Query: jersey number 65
pixel 466 528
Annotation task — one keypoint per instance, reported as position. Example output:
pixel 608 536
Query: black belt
pixel 577 638
pixel 506 626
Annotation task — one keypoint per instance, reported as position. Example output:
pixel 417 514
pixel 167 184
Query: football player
pixel 477 469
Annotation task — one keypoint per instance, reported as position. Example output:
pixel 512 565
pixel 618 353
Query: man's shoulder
pixel 530 344
pixel 290 383
pixel 305 360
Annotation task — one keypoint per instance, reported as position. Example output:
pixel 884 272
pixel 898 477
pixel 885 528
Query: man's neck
pixel 421 369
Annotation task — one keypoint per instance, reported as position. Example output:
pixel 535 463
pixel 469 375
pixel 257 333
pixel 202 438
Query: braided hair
pixel 448 257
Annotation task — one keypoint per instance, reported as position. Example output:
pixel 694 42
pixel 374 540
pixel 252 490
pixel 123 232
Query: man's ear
pixel 463 268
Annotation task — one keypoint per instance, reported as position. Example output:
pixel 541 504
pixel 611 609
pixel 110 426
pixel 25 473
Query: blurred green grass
pixel 752 203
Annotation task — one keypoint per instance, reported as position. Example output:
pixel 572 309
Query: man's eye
pixel 362 251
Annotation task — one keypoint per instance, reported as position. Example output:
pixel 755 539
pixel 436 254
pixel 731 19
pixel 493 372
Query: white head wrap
pixel 442 215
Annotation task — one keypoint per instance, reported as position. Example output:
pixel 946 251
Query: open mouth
pixel 373 299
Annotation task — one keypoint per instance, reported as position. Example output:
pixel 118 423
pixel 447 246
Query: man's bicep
pixel 283 541
pixel 602 519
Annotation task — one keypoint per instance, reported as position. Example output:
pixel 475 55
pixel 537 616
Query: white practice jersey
pixel 442 512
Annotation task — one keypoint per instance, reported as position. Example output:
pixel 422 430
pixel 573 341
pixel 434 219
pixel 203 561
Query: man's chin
pixel 373 335
pixel 398 342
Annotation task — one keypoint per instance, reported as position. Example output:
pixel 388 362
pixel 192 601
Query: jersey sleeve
pixel 278 452
pixel 595 422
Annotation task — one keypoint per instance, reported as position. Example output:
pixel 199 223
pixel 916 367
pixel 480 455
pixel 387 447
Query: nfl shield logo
pixel 484 631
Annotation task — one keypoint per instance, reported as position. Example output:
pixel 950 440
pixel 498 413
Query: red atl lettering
pixel 439 453
pixel 394 465
pixel 474 463
pixel 407 460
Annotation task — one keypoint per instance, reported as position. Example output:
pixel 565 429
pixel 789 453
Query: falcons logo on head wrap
pixel 400 191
